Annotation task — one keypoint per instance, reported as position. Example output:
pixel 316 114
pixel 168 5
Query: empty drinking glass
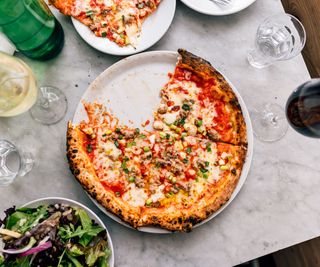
pixel 13 162
pixel 279 37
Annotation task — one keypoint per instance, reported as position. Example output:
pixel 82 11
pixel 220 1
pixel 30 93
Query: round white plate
pixel 92 215
pixel 153 28
pixel 130 88
pixel 209 8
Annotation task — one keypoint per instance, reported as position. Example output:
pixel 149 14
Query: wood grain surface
pixel 306 254
pixel 308 12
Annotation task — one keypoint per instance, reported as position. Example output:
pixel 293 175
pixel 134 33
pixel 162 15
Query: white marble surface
pixel 279 203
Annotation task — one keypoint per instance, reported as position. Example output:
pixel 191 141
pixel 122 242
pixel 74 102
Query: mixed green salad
pixel 52 236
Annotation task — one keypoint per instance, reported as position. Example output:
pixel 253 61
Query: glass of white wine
pixel 19 93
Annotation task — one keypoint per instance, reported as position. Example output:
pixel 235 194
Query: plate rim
pixel 250 138
pixel 87 209
pixel 78 25
pixel 214 13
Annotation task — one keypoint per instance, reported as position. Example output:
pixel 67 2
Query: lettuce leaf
pixel 68 231
pixel 25 218
pixel 100 250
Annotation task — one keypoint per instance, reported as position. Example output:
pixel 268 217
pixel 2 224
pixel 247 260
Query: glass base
pixel 50 107
pixel 257 61
pixel 27 163
pixel 269 123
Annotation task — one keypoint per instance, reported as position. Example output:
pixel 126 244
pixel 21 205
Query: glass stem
pixel 44 99
pixel 271 118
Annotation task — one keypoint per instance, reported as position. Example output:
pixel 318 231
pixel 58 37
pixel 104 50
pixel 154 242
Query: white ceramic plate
pixel 209 8
pixel 130 88
pixel 92 215
pixel 153 28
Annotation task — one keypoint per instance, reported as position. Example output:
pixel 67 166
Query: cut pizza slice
pixel 199 101
pixel 119 21
pixel 207 184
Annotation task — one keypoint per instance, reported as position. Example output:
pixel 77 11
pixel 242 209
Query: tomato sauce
pixel 89 146
pixel 223 118
pixel 170 103
pixel 190 174
pixel 117 188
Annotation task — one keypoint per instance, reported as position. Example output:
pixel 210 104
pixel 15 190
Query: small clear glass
pixel 280 37
pixel 13 162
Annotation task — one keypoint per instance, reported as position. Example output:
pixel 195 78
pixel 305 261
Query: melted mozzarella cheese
pixel 108 3
pixel 158 195
pixel 80 6
pixel 152 139
pixel 177 98
pixel 196 189
pixel 192 88
pixel 111 176
pixel 214 172
pixel 135 196
pixel 111 150
pixel 170 118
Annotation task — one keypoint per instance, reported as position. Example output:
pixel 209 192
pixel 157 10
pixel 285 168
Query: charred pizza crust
pixel 222 90
pixel 168 218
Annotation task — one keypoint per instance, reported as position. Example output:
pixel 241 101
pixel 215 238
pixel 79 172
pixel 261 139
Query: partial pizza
pixel 182 171
pixel 118 20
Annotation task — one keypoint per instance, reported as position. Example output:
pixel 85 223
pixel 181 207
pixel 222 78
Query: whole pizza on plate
pixel 182 171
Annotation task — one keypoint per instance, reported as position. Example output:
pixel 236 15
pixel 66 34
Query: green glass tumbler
pixel 31 26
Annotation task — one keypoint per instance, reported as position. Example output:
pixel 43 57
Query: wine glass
pixel 269 122
pixel 19 93
pixel 303 109
pixel 302 113
pixel 13 162
pixel 50 107
pixel 279 37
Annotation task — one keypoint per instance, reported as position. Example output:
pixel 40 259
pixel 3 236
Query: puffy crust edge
pixel 206 70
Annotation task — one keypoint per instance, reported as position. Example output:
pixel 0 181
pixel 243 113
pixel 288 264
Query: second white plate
pixel 209 8
pixel 153 28
pixel 130 88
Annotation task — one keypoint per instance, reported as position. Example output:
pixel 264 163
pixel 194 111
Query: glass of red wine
pixel 302 112
pixel 303 109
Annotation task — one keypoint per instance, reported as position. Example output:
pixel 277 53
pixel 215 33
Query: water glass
pixel 280 37
pixel 13 162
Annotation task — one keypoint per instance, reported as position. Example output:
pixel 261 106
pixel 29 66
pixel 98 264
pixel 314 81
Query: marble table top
pixel 277 207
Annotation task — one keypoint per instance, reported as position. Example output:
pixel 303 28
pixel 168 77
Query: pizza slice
pixel 118 20
pixel 198 100
pixel 208 182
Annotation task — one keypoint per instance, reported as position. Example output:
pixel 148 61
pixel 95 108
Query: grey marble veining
pixel 277 207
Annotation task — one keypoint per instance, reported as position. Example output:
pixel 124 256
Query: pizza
pixel 177 174
pixel 118 20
